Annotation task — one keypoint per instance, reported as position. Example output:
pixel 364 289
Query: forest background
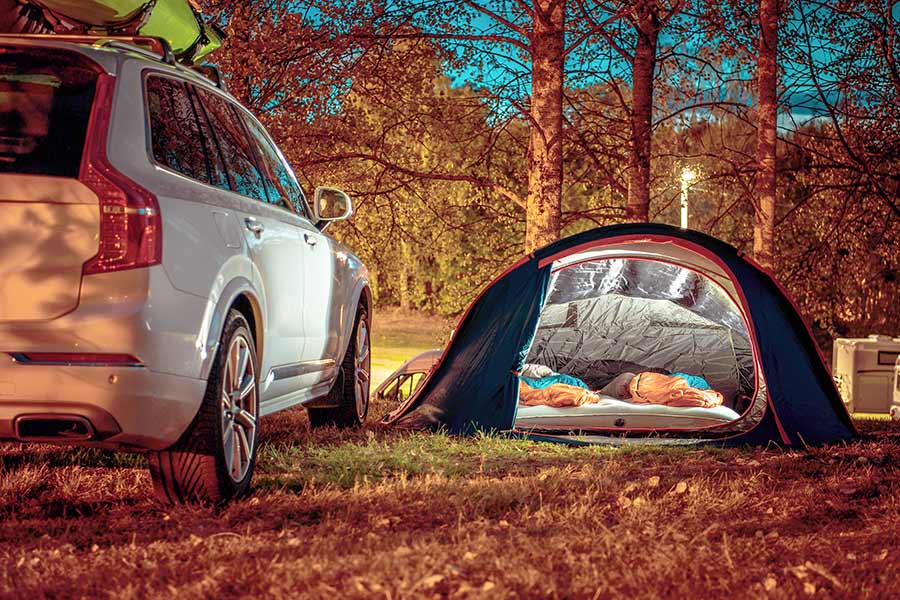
pixel 470 132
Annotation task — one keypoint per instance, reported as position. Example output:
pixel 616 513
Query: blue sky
pixel 501 71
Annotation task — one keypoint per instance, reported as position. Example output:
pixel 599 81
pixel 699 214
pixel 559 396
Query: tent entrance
pixel 612 315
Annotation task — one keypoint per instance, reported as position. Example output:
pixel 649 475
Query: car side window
pixel 175 138
pixel 244 174
pixel 218 173
pixel 281 181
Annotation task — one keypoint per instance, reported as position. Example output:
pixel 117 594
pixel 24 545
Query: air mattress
pixel 611 413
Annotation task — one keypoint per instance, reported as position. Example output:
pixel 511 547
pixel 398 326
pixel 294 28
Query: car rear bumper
pixel 118 407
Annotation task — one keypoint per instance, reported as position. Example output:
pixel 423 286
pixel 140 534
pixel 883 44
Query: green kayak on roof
pixel 179 22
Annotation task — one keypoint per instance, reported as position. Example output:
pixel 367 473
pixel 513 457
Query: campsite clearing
pixel 383 513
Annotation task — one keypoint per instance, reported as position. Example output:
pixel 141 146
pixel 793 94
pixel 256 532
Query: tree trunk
pixel 545 168
pixel 405 260
pixel 767 74
pixel 637 209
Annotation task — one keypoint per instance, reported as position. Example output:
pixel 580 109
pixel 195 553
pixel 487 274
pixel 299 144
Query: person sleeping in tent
pixel 539 386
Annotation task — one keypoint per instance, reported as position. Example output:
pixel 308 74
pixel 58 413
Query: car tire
pixel 213 461
pixel 349 396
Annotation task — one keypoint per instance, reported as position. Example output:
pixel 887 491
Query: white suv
pixel 163 281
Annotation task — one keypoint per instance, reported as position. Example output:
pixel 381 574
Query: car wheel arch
pixel 237 295
pixel 248 305
pixel 362 295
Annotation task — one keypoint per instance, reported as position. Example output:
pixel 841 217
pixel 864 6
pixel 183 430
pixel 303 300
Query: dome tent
pixel 783 392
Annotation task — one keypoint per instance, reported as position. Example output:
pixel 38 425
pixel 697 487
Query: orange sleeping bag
pixel 669 390
pixel 645 388
pixel 557 395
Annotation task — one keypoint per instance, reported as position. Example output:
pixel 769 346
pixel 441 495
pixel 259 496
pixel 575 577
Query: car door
pixel 316 269
pixel 273 246
pixel 325 299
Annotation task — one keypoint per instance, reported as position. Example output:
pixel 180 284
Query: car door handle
pixel 255 226
pixel 310 239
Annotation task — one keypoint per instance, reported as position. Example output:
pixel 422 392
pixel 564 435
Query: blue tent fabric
pixel 475 386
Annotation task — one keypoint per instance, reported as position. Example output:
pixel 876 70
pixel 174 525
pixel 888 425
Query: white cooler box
pixel 895 407
pixel 863 369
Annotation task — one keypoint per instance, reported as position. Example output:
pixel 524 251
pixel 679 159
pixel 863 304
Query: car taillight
pixel 130 224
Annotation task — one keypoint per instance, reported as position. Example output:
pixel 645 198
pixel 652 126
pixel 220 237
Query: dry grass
pixel 385 514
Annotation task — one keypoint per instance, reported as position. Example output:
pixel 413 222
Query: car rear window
pixel 175 129
pixel 45 103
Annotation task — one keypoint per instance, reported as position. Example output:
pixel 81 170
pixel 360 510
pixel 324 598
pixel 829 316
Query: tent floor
pixel 611 413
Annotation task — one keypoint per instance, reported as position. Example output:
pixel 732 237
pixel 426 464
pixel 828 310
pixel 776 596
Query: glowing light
pixel 688 176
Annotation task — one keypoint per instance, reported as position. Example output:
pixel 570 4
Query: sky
pixel 500 68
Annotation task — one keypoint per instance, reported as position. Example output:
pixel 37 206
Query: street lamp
pixel 688 176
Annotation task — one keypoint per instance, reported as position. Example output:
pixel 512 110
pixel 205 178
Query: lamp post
pixel 688 176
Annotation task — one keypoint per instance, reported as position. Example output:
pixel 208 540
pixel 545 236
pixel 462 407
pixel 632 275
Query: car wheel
pixel 214 459
pixel 349 396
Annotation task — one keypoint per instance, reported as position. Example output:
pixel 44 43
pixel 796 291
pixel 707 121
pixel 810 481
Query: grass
pixel 399 335
pixel 381 513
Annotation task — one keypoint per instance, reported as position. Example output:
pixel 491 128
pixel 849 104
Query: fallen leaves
pixel 430 581
pixel 824 573
pixel 625 499
pixel 848 488
pixel 803 572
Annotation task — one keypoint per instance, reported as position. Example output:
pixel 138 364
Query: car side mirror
pixel 331 204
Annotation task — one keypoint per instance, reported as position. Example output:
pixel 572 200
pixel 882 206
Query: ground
pixel 384 514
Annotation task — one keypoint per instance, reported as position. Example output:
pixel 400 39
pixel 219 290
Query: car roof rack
pixel 211 73
pixel 153 47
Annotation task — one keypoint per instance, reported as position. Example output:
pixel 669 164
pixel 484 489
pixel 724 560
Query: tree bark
pixel 647 25
pixel 767 80
pixel 545 168
pixel 405 260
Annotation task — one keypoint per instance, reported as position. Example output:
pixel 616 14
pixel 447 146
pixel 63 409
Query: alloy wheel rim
pixel 239 408
pixel 362 364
